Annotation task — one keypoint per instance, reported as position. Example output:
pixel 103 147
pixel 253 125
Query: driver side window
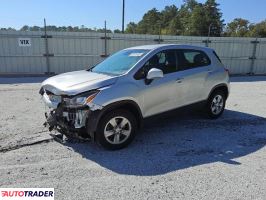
pixel 164 60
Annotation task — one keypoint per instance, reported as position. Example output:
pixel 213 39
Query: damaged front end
pixel 71 116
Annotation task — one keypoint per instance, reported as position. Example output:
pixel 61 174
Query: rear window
pixel 217 56
pixel 190 58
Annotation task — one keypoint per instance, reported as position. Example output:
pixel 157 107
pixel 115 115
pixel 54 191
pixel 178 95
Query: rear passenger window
pixel 188 59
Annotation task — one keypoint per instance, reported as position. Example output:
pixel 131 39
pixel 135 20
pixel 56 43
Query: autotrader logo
pixel 27 193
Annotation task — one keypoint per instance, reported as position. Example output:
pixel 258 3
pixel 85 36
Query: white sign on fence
pixel 24 42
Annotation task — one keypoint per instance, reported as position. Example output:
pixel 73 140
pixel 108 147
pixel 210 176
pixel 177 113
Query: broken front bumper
pixel 70 121
pixel 73 122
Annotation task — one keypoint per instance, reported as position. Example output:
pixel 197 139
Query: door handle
pixel 179 80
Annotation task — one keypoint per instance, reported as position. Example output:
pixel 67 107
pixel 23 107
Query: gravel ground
pixel 177 156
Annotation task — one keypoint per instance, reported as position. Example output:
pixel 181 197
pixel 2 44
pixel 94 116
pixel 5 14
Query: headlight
pixel 82 99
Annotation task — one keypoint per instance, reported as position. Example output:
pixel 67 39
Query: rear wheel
pixel 215 105
pixel 116 130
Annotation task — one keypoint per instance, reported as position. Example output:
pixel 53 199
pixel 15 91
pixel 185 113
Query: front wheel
pixel 116 130
pixel 215 105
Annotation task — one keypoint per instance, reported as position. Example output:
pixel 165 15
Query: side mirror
pixel 154 73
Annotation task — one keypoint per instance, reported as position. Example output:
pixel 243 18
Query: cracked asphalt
pixel 180 155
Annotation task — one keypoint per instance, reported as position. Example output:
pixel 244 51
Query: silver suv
pixel 109 101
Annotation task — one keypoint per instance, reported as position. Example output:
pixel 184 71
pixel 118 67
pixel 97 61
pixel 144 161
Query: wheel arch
pixel 128 105
pixel 222 87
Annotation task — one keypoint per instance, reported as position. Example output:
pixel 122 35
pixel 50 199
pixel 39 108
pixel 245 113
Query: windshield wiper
pixel 90 69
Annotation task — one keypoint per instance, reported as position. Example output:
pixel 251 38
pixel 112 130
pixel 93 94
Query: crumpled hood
pixel 76 82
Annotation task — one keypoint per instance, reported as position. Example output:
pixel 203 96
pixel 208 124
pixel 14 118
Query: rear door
pixel 194 67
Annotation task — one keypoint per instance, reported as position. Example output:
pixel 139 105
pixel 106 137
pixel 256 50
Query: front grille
pixel 71 116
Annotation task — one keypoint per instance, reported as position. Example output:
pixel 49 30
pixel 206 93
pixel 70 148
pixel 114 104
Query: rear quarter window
pixel 215 54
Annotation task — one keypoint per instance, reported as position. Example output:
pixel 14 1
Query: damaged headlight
pixel 82 99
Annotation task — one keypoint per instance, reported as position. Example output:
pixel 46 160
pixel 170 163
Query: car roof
pixel 156 46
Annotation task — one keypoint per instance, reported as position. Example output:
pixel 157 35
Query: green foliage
pixel 153 19
pixel 214 17
pixel 192 18
pixel 243 28
pixel 258 30
pixel 195 19
pixel 238 28
pixel 7 29
pixel 117 31
pixel 82 28
pixel 197 25
pixel 131 28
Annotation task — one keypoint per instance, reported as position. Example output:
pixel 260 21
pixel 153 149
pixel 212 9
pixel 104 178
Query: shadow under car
pixel 180 140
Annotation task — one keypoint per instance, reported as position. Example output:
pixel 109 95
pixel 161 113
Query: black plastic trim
pixel 95 116
pixel 217 86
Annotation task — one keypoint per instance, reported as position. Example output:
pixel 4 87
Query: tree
pixel 214 17
pixel 7 29
pixel 75 28
pixel 174 27
pixel 198 22
pixel 238 28
pixel 192 18
pixel 117 31
pixel 51 28
pixel 168 14
pixel 102 30
pixel 243 28
pixel 258 30
pixel 184 14
pixel 63 28
pixel 25 28
pixel 188 5
pixel 131 28
pixel 150 23
pixel 35 28
pixel 170 22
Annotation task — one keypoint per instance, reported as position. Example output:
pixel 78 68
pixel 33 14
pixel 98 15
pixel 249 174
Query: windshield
pixel 120 62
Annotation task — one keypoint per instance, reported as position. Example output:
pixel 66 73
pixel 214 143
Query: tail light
pixel 227 70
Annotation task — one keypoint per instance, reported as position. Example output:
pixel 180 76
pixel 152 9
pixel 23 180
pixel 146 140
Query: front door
pixel 159 95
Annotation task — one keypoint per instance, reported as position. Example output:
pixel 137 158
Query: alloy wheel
pixel 117 130
pixel 217 104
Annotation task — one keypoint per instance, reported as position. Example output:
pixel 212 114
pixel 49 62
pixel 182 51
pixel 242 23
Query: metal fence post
pixel 159 40
pixel 207 42
pixel 46 49
pixel 123 17
pixel 105 38
pixel 253 57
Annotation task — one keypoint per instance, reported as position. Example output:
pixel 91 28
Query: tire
pixel 215 104
pixel 111 134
